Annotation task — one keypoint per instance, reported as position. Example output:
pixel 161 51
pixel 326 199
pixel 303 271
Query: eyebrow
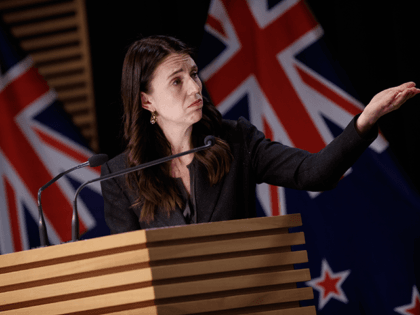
pixel 175 72
pixel 181 70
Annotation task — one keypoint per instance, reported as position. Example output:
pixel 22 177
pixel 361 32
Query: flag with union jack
pixel 37 142
pixel 267 61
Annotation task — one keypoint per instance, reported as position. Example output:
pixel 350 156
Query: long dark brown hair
pixel 146 142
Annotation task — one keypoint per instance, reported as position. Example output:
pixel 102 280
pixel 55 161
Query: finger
pixel 406 94
pixel 401 98
pixel 411 92
pixel 415 91
pixel 407 85
pixel 407 90
pixel 397 99
pixel 397 91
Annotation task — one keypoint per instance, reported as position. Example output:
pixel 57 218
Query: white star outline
pixel 325 268
pixel 403 309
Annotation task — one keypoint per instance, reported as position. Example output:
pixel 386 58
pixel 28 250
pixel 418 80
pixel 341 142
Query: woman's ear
pixel 145 102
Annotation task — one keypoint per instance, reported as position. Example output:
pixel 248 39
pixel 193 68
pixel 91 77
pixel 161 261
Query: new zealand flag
pixel 37 142
pixel 267 61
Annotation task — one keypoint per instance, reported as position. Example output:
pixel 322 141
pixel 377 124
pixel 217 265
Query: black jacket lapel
pixel 206 195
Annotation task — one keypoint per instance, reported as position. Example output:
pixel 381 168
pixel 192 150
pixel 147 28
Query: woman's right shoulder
pixel 115 164
pixel 239 129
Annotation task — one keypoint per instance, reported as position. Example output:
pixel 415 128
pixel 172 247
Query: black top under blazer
pixel 255 160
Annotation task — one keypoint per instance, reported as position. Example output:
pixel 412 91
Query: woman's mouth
pixel 197 102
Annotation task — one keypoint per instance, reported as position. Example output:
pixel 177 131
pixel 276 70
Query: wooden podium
pixel 232 267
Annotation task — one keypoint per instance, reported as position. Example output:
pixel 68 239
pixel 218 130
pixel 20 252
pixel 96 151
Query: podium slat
pixel 224 228
pixel 86 303
pixel 59 291
pixel 131 297
pixel 76 269
pixel 66 252
pixel 226 246
pixel 306 310
pixel 236 301
pixel 228 264
pixel 230 283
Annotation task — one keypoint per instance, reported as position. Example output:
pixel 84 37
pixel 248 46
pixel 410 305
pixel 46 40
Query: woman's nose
pixel 194 86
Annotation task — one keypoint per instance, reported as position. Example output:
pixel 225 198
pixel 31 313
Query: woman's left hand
pixel 385 102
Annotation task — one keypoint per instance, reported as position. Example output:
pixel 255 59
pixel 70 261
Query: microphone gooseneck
pixel 93 161
pixel 209 141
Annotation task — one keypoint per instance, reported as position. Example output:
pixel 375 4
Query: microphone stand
pixel 93 161
pixel 209 141
pixel 43 235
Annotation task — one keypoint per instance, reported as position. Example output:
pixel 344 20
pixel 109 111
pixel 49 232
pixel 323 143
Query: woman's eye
pixel 194 74
pixel 176 82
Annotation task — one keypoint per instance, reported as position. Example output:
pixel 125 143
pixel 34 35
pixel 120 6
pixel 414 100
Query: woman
pixel 165 113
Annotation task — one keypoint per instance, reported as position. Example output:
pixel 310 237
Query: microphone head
pixel 97 160
pixel 209 141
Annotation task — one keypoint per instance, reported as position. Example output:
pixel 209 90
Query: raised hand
pixel 385 102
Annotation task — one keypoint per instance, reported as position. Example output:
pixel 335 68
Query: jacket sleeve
pixel 281 165
pixel 119 215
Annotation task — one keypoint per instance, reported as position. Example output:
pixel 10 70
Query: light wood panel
pixel 225 267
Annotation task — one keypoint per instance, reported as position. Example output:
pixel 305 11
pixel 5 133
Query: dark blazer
pixel 255 160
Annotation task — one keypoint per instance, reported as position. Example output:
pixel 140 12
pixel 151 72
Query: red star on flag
pixel 414 307
pixel 329 285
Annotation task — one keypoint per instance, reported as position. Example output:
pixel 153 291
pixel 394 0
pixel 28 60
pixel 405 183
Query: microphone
pixel 209 141
pixel 93 161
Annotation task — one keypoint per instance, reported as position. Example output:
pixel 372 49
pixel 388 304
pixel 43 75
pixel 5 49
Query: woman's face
pixel 175 92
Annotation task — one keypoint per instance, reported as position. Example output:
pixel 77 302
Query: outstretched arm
pixel 383 103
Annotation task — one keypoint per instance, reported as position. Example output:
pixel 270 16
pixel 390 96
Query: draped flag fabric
pixel 37 142
pixel 267 61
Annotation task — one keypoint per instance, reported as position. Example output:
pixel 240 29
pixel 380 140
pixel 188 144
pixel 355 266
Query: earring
pixel 153 117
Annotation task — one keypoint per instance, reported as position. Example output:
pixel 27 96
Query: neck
pixel 179 138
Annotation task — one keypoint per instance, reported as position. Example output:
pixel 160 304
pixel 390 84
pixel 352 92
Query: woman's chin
pixel 196 117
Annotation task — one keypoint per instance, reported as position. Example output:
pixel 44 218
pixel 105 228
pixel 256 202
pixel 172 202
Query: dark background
pixel 375 42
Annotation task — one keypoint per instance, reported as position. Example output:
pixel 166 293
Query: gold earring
pixel 153 117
